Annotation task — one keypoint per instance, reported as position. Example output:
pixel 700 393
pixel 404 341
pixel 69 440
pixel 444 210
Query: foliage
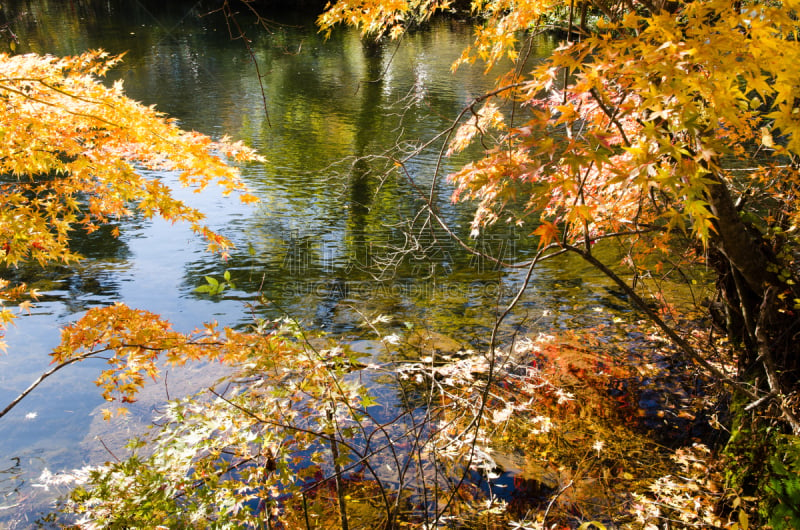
pixel 784 483
pixel 75 153
pixel 214 286
pixel 658 129
pixel 374 18
pixel 289 424
pixel 221 459
pixel 670 128
pixel 764 466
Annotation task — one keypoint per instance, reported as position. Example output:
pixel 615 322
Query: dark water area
pixel 336 234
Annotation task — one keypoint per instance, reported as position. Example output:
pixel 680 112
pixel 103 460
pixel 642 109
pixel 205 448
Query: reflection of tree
pixel 173 57
pixel 332 106
pixel 77 286
pixel 369 122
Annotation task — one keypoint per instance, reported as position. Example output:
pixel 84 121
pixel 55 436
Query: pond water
pixel 329 219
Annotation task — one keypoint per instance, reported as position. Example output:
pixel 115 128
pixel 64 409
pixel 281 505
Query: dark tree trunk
pixel 734 239
pixel 757 305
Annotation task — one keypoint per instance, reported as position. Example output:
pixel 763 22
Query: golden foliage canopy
pixel 76 153
pixel 627 125
pixel 669 127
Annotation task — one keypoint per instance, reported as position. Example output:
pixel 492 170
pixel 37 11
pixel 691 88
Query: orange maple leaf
pixel 547 232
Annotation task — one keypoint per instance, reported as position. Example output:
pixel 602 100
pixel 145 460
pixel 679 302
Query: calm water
pixel 315 245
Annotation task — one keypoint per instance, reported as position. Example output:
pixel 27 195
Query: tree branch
pixel 44 376
pixel 765 355
pixel 653 316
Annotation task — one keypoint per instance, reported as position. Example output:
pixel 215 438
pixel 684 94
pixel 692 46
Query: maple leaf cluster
pixel 76 153
pixel 630 127
pixel 668 130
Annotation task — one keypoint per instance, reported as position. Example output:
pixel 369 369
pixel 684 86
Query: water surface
pixel 332 215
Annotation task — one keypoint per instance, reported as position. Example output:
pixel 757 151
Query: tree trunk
pixel 767 323
pixel 734 239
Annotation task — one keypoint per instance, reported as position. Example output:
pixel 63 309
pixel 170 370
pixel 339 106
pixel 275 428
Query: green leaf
pixel 368 401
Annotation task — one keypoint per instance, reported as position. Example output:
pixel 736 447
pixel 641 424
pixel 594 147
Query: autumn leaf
pixel 54 109
pixel 547 232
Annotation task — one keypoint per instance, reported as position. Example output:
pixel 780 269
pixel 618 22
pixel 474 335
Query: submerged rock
pixel 430 342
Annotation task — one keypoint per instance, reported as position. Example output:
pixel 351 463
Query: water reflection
pixel 324 245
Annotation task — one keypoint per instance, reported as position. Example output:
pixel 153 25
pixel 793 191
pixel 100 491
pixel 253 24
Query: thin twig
pixel 765 355
pixel 109 451
pixel 553 500
pixel 337 479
